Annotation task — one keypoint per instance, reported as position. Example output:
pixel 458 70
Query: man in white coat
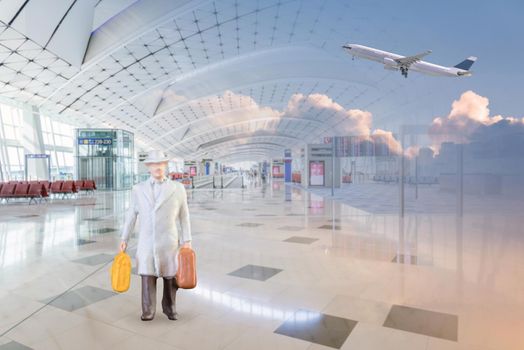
pixel 158 203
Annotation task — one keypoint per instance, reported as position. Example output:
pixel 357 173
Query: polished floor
pixel 279 268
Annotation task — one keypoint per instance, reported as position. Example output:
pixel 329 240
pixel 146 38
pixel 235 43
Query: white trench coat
pixel 158 237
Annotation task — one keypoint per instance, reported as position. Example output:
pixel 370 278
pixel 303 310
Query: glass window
pixel 13 155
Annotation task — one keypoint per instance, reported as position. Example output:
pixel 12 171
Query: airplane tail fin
pixel 467 63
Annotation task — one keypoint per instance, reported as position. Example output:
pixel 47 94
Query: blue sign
pixel 95 141
pixel 37 155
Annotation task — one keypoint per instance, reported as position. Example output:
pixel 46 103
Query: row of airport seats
pixel 178 176
pixel 40 190
pixel 421 180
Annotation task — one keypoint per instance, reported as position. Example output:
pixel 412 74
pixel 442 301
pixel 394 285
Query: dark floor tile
pixel 255 272
pixel 330 227
pixel 300 239
pixel 317 328
pixel 79 298
pixel 84 241
pixel 102 230
pixel 405 259
pixel 431 323
pixel 14 346
pixel 336 220
pixel 95 259
pixel 93 219
pixel 28 216
pixel 249 224
pixel 291 228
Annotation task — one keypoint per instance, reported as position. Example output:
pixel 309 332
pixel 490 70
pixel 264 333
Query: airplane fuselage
pixel 388 60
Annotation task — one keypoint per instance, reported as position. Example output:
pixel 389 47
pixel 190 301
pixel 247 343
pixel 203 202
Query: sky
pixel 453 30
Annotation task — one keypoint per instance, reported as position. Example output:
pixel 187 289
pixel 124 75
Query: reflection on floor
pixel 278 267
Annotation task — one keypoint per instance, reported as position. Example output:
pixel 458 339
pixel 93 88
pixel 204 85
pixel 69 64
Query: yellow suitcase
pixel 121 272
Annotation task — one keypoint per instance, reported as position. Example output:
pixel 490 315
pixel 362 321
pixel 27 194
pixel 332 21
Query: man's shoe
pixel 147 317
pixel 172 317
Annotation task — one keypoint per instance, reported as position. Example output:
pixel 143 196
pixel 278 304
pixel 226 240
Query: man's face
pixel 157 170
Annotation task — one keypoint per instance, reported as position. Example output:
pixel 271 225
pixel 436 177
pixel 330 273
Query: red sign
pixel 316 173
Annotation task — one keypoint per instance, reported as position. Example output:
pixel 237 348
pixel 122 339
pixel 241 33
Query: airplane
pixel 393 61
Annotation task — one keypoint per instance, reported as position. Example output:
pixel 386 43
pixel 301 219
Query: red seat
pixel 8 190
pixel 21 190
pixel 47 185
pixel 79 184
pixel 89 185
pixel 44 191
pixel 37 191
pixel 56 186
pixel 68 187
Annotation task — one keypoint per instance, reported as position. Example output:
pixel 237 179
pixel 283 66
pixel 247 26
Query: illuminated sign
pixel 316 173
pixel 97 141
pixel 37 155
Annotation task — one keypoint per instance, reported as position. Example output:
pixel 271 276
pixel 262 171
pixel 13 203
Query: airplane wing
pixel 409 60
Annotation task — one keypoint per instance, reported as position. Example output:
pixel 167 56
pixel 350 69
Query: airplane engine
pixel 390 64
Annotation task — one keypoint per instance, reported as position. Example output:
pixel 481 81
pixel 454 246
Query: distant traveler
pixel 159 203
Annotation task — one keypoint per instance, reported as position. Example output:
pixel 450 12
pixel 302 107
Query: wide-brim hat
pixel 156 156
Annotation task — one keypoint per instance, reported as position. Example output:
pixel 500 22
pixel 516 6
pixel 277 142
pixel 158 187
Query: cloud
pixel 387 138
pixel 469 117
pixel 353 121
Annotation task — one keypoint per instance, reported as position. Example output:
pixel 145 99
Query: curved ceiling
pixel 219 77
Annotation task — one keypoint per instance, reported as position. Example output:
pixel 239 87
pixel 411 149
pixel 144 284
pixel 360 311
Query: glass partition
pixel 106 156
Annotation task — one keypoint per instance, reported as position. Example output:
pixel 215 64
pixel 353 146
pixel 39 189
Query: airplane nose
pixel 347 47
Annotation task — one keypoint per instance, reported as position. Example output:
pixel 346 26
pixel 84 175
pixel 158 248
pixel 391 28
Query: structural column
pixel 287 166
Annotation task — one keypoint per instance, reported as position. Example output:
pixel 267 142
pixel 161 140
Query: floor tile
pixel 260 339
pixel 84 241
pixel 290 228
pixel 95 259
pixel 355 308
pixel 89 335
pixel 14 346
pixel 139 342
pixel 431 323
pixel 317 328
pixel 330 227
pixel 103 230
pixel 300 239
pixel 405 259
pixel 49 321
pixel 217 334
pixel 249 224
pixel 79 298
pixel 255 272
pixel 374 337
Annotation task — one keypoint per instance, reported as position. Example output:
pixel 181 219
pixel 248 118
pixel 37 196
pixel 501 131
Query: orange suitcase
pixel 186 277
pixel 121 272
